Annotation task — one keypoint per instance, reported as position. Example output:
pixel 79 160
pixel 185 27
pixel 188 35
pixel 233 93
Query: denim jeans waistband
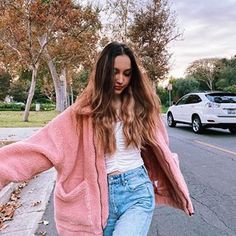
pixel 128 174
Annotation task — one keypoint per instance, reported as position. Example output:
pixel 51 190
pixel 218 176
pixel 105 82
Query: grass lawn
pixel 36 119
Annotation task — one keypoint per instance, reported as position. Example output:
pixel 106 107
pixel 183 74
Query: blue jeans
pixel 131 203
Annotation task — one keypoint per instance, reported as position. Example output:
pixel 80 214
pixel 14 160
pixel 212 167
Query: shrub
pixel 18 106
pixel 230 89
pixel 11 106
pixel 43 106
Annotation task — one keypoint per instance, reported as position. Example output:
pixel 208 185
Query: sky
pixel 209 30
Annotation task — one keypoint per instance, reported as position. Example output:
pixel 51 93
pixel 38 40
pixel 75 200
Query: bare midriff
pixel 115 173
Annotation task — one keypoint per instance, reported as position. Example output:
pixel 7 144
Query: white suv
pixel 203 110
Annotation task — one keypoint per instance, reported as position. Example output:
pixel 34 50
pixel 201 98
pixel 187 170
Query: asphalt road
pixel 208 163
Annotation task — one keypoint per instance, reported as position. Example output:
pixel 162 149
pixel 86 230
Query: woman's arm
pixel 22 160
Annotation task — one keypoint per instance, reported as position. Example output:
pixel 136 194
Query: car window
pixel 222 98
pixel 182 100
pixel 193 99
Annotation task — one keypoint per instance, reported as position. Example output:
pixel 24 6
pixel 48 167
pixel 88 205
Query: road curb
pixel 6 192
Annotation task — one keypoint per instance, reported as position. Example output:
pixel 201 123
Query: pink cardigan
pixel 81 193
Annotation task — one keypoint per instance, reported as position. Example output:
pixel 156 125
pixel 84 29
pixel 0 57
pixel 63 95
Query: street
pixel 208 163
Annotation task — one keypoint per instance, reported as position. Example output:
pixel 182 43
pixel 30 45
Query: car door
pixel 178 108
pixel 191 107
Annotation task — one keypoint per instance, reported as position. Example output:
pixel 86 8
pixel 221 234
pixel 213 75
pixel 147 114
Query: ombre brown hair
pixel 140 105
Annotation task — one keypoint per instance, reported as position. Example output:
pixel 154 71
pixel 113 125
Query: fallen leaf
pixel 8 209
pixel 23 184
pixel 36 203
pixel 3 226
pixel 45 222
pixel 1 223
pixel 7 219
pixel 41 233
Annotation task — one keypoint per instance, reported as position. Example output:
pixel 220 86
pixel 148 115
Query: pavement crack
pixel 214 213
pixel 204 220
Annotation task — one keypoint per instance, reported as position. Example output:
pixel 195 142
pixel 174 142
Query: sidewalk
pixel 34 197
pixel 16 134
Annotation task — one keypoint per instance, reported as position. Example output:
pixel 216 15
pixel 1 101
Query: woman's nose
pixel 119 78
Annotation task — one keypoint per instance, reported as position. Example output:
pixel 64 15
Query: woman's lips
pixel 118 87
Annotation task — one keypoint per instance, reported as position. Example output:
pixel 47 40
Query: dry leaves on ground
pixel 36 203
pixel 45 222
pixel 7 210
pixel 41 233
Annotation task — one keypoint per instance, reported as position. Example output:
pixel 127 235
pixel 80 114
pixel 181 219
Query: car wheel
pixel 170 120
pixel 232 130
pixel 197 125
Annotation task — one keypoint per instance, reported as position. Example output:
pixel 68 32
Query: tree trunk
pixel 71 95
pixel 60 87
pixel 31 93
pixel 154 85
pixel 59 83
pixel 63 101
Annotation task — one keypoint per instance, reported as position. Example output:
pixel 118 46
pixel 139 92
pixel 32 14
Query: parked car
pixel 204 110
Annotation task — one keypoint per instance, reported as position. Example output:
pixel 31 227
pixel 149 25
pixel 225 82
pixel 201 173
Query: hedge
pixel 21 107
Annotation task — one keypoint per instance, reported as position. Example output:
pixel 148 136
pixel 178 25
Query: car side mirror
pixel 173 103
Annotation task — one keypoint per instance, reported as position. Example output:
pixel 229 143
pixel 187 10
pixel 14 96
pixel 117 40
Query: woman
pixel 110 150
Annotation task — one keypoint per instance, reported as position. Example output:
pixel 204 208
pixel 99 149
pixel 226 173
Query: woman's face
pixel 122 72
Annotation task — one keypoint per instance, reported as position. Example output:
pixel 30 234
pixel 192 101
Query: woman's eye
pixel 127 73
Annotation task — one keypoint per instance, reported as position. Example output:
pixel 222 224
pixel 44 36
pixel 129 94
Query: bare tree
pixel 153 28
pixel 118 15
pixel 205 70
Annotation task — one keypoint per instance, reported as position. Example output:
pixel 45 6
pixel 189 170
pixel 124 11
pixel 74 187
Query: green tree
pixel 230 89
pixel 19 87
pixel 80 81
pixel 183 86
pixel 5 80
pixel 44 90
pixel 226 75
pixel 163 95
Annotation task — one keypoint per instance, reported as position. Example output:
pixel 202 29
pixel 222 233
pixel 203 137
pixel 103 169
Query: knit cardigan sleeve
pixel 24 159
pixel 162 129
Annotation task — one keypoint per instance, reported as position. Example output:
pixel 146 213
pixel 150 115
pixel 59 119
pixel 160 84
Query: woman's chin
pixel 118 92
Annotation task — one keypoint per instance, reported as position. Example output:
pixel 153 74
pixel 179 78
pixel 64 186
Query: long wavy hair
pixel 140 105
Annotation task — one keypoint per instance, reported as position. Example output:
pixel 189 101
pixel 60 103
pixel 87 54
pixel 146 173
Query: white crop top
pixel 123 159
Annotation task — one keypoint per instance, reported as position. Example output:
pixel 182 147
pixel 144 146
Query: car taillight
pixel 212 105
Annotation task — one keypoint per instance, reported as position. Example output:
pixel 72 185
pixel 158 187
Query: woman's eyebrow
pixel 128 69
pixel 124 70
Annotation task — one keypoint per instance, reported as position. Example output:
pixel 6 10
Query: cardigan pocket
pixel 73 207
